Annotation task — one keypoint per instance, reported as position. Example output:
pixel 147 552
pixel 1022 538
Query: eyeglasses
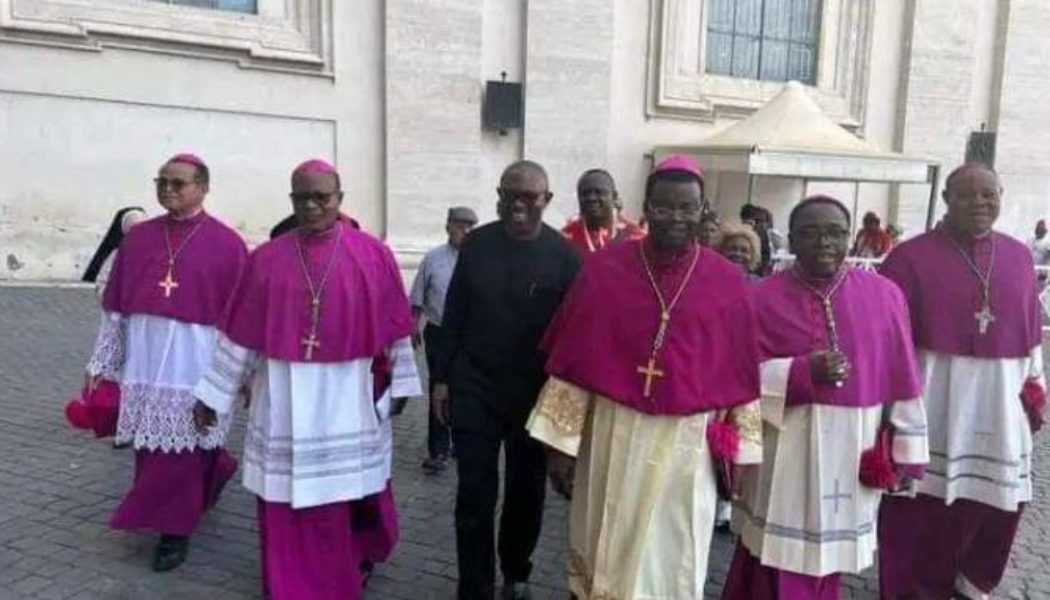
pixel 176 185
pixel 813 234
pixel 318 198
pixel 527 198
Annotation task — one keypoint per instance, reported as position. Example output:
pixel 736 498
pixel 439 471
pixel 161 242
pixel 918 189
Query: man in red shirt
pixel 872 240
pixel 599 224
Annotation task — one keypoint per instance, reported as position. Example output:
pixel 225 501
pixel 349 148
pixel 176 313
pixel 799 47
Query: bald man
pixel 975 319
pixel 509 279
pixel 600 223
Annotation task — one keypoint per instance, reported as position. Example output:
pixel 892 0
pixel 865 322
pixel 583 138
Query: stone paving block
pixel 28 586
pixel 59 486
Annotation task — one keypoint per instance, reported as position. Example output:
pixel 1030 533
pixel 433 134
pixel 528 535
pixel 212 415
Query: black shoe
pixel 366 572
pixel 516 591
pixel 435 465
pixel 171 552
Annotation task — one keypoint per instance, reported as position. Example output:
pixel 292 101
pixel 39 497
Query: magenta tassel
pixel 723 439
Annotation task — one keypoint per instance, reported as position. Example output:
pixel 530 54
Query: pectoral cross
pixel 309 343
pixel 168 283
pixel 651 372
pixel 984 319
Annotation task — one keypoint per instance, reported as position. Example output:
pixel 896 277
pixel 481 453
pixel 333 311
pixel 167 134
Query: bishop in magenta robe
pixel 170 281
pixel 653 343
pixel 976 327
pixel 838 374
pixel 318 331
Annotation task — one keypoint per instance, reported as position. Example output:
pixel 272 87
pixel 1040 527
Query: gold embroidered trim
pixel 565 405
pixel 748 421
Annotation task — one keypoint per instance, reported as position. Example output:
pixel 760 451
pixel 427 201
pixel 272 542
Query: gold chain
pixel 665 308
pixel 825 301
pixel 172 255
pixel 315 292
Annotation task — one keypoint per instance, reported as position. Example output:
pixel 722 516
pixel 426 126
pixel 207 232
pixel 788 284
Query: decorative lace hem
pixel 160 418
pixel 107 359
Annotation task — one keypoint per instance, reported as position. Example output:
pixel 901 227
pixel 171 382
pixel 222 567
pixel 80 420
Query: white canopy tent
pixel 792 137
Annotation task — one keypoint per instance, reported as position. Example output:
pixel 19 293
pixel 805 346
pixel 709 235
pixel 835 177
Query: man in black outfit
pixel 510 278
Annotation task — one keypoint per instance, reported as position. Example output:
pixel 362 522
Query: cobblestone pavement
pixel 58 487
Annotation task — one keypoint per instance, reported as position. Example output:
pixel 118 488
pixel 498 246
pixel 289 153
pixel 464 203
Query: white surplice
pixel 804 510
pixel 157 361
pixel 643 505
pixel 315 434
pixel 980 439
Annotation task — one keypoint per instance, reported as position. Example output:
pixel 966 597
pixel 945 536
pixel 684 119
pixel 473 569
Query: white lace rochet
pixel 108 356
pixel 157 362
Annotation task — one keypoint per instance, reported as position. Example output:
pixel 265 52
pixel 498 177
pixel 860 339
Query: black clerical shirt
pixel 502 295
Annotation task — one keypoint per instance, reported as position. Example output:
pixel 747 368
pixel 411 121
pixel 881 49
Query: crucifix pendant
pixel 651 372
pixel 309 343
pixel 168 283
pixel 984 318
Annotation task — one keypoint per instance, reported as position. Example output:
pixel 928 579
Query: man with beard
pixel 600 223
pixel 509 279
pixel 976 327
pixel 652 346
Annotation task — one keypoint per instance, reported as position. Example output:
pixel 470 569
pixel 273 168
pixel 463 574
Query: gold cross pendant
pixel 309 344
pixel 168 283
pixel 651 372
pixel 984 318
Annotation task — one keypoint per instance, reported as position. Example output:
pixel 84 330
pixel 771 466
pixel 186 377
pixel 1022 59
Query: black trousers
pixel 525 471
pixel 438 436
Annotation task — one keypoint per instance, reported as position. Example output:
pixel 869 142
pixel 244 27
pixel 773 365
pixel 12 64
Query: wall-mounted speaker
pixel 503 108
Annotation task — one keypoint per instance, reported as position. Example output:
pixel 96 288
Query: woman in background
pixel 709 235
pixel 97 271
pixel 97 407
pixel 740 244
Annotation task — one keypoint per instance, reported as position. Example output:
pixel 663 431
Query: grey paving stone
pixel 58 487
